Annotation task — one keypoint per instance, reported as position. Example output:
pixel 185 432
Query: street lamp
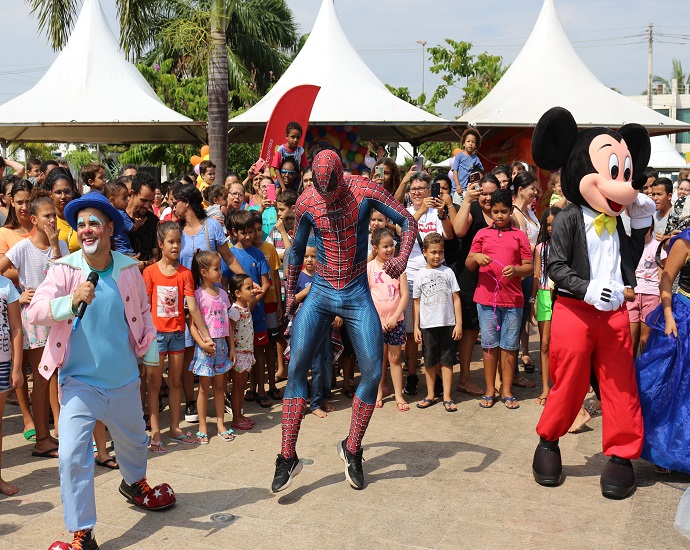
pixel 423 43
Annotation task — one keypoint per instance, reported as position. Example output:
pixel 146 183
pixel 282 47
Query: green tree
pixel 246 46
pixel 186 95
pixel 456 65
pixel 230 42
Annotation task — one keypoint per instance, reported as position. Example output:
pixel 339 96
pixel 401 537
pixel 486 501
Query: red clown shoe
pixel 83 540
pixel 142 495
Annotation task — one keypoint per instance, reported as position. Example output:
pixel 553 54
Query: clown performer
pixel 98 375
pixel 592 263
pixel 337 210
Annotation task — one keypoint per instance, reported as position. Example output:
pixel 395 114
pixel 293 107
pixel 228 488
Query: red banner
pixel 295 105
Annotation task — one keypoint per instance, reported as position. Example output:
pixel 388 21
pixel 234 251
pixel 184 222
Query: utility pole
pixel 650 42
pixel 423 43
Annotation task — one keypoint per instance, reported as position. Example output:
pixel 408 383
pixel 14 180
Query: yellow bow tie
pixel 602 220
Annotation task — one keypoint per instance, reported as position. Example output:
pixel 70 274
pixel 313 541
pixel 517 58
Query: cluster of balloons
pixel 197 159
pixel 343 139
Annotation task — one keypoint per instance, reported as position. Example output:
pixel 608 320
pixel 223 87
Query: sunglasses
pixel 290 172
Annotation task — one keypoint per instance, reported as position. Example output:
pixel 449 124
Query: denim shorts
pixel 170 342
pixel 5 375
pixel 502 329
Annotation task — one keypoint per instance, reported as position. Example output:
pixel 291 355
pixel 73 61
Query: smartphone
pixel 259 166
pixel 379 171
pixel 478 186
pixel 435 190
pixel 475 177
pixel 419 163
pixel 271 193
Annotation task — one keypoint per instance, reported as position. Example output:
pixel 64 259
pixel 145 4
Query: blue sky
pixel 607 34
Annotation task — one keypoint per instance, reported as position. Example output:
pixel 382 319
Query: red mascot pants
pixel 582 338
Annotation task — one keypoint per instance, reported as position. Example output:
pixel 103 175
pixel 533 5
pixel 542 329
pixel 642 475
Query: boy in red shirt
pixel 504 257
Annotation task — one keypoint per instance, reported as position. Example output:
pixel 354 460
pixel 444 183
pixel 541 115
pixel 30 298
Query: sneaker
pixel 141 494
pixel 286 470
pixel 190 412
pixel 353 465
pixel 228 404
pixel 83 540
pixel 411 384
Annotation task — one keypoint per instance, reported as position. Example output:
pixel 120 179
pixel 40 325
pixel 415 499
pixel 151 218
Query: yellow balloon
pixel 199 180
pixel 205 157
pixel 359 158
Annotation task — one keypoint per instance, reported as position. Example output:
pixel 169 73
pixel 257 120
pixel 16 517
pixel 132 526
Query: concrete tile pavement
pixel 434 480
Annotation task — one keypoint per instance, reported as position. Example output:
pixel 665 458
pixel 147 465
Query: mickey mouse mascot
pixel 592 262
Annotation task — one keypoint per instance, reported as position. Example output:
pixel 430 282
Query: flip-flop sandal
pixel 511 400
pixel 30 435
pixel 487 402
pixel 157 447
pixel 111 464
pixel 426 403
pixel 274 394
pixel 185 438
pixel 244 425
pixel 522 382
pixel 264 402
pixel 280 379
pixel 226 436
pixel 201 439
pixel 50 453
pixel 251 395
pixel 403 407
pixel 448 404
pixel 540 401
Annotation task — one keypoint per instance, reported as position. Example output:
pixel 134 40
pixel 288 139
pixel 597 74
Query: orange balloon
pixel 456 151
pixel 196 159
pixel 205 150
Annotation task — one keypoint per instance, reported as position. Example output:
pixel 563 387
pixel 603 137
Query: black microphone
pixel 93 279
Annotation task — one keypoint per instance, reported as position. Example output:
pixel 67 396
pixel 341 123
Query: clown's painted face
pixel 609 189
pixel 94 230
pixel 328 173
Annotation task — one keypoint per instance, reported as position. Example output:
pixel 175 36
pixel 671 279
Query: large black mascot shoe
pixel 618 478
pixel 546 466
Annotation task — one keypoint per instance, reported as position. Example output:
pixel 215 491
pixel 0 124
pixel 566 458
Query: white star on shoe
pixel 170 491
pixel 56 547
pixel 157 493
pixel 146 500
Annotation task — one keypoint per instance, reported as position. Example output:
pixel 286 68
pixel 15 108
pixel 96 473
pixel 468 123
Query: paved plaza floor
pixel 434 480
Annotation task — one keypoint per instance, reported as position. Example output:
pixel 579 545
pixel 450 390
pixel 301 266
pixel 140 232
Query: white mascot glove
pixel 617 294
pixel 602 295
pixel 641 211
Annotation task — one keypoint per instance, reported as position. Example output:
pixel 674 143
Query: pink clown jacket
pixel 52 306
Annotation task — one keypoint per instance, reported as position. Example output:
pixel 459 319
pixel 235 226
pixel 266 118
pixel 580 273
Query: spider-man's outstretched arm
pixel 295 259
pixel 390 207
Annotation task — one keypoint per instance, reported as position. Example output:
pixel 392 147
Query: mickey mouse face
pixel 600 168
pixel 608 189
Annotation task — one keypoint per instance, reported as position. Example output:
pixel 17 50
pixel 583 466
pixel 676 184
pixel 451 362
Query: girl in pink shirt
pixel 390 298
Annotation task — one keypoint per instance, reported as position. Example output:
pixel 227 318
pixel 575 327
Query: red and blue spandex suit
pixel 337 210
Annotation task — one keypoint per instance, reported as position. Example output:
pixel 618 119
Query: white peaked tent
pixel 350 93
pixel 664 155
pixel 547 73
pixel 92 94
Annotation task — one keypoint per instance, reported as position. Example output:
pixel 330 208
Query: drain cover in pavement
pixel 222 518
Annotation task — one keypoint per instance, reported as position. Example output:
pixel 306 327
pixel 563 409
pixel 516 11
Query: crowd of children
pixel 479 267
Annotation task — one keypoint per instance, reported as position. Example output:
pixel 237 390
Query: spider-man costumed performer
pixel 337 209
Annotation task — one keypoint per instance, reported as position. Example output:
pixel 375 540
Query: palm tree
pixel 677 74
pixel 236 43
pixel 246 47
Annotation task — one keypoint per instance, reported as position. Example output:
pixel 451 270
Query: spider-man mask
pixel 328 174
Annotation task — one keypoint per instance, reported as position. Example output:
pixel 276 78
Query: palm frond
pixel 55 18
